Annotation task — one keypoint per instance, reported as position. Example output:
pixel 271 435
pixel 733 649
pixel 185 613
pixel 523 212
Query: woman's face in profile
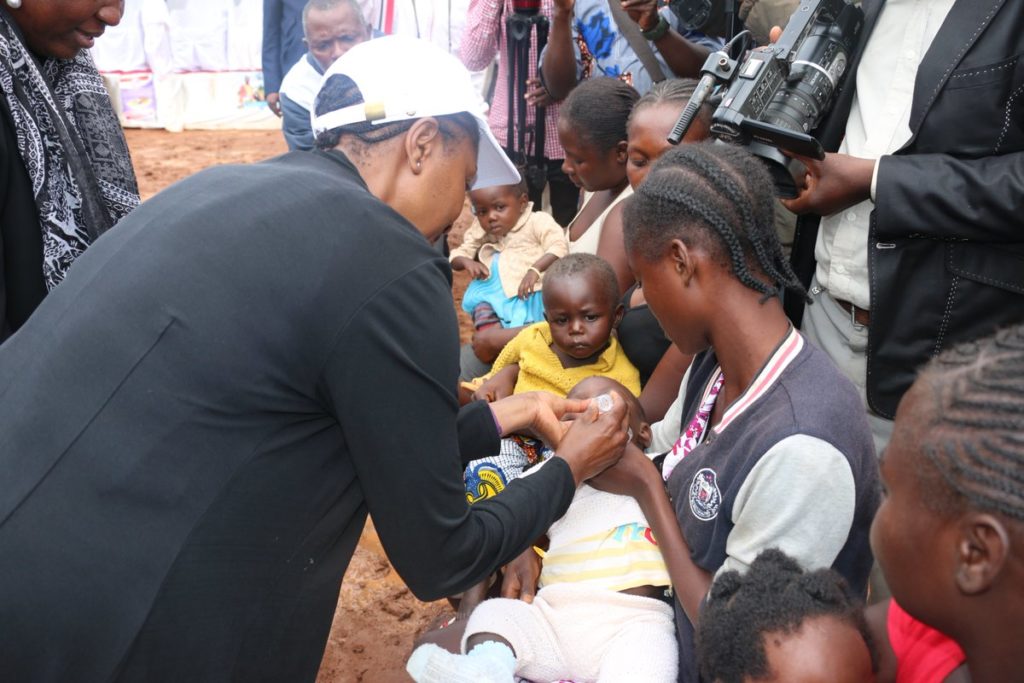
pixel 63 28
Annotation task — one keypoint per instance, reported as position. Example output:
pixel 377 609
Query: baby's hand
pixel 528 284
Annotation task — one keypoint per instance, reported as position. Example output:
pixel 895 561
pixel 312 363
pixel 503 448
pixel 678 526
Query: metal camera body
pixel 700 15
pixel 780 92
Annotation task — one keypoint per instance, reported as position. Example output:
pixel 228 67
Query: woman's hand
pixel 538 413
pixel 594 440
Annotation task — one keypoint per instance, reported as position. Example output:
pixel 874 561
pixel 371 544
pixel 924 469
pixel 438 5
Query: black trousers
pixel 565 196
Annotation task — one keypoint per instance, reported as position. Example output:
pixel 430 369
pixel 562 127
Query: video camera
pixel 710 17
pixel 781 92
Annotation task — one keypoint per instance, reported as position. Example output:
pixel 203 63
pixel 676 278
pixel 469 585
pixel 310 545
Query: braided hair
pixel 597 109
pixel 974 439
pixel 672 91
pixel 774 596
pixel 340 91
pixel 717 196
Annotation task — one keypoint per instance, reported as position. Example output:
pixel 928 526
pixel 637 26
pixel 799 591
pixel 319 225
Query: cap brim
pixel 493 167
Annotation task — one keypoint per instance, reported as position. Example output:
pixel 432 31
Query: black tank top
pixel 641 337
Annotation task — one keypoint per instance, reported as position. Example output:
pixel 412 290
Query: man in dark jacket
pixel 922 244
pixel 282 45
pixel 197 422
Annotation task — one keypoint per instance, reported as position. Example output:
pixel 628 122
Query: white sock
pixel 488 662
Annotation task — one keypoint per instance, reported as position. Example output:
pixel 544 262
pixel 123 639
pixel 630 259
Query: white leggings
pixel 584 634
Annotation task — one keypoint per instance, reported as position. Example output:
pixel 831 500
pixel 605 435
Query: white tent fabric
pixel 141 42
pixel 196 63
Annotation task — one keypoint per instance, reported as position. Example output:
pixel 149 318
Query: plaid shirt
pixel 484 38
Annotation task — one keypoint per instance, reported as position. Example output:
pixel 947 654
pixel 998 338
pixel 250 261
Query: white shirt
pixel 879 124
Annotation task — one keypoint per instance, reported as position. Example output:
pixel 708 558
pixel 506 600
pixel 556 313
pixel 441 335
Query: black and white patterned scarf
pixel 71 144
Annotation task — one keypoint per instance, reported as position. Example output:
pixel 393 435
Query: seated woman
pixel 775 452
pixel 592 129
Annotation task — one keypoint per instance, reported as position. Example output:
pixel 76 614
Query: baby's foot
pixel 487 663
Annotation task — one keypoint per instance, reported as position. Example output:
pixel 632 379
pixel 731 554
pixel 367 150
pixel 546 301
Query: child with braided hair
pixel 772 451
pixel 949 534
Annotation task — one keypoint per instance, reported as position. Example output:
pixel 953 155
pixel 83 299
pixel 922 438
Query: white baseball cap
pixel 404 78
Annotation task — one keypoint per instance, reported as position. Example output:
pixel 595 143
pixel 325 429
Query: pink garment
pixel 694 433
pixel 485 37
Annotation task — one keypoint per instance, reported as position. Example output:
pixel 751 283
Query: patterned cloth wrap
pixel 72 145
pixel 487 477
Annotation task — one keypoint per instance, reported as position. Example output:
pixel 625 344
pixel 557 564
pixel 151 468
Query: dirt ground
pixel 377 617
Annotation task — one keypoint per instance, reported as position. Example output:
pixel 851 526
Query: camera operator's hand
pixel 832 184
pixel 537 94
pixel 643 12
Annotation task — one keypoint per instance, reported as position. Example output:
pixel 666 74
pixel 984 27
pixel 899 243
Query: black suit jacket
pixel 946 242
pixel 196 422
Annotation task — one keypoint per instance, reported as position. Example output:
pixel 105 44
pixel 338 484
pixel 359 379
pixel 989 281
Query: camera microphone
pixel 717 68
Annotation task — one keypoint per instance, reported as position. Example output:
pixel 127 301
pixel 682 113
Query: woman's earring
pixel 14 4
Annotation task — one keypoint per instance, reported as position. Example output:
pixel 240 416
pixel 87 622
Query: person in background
pixel 65 173
pixel 771 449
pixel 330 28
pixel 588 40
pixel 660 363
pixel 778 623
pixel 576 339
pixel 507 250
pixel 282 45
pixel 486 37
pixel 919 242
pixel 592 128
pixel 949 534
